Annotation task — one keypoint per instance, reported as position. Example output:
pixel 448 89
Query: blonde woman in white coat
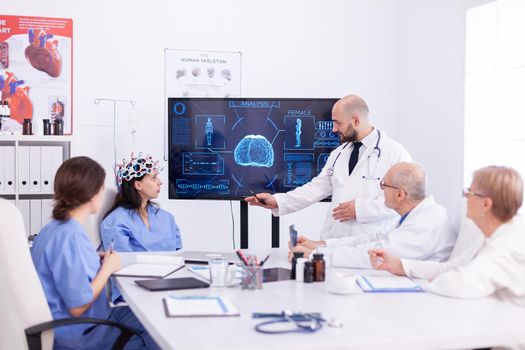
pixel 498 266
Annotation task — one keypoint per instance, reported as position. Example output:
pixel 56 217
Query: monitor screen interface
pixel 225 148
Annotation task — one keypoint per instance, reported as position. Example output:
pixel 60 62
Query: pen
pixel 172 272
pixel 111 245
pixel 241 256
pixel 264 260
pixel 257 197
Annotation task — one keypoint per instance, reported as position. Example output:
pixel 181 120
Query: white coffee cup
pixel 343 283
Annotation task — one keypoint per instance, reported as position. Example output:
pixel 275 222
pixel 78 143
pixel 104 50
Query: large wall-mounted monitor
pixel 224 148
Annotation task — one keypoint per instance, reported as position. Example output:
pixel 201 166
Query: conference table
pixel 368 320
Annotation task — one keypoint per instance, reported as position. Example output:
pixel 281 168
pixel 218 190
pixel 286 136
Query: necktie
pixel 354 157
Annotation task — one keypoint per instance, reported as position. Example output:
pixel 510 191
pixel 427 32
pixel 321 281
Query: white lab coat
pixel 362 185
pixel 498 268
pixel 425 234
pixel 469 242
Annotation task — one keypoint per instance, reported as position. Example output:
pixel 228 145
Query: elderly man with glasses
pixel 424 230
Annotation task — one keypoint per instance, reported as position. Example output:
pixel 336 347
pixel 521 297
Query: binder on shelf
pixel 51 159
pixel 35 211
pixel 47 210
pixel 23 168
pixel 2 169
pixel 34 169
pixel 23 205
pixel 9 169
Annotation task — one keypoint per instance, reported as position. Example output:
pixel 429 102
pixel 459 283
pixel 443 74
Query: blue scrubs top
pixel 131 234
pixel 126 227
pixel 67 263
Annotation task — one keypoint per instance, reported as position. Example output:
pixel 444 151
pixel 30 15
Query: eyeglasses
pixel 382 184
pixel 468 192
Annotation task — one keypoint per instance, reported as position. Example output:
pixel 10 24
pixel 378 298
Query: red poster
pixel 36 71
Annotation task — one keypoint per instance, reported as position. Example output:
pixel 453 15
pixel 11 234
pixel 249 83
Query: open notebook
pixel 198 306
pixel 152 266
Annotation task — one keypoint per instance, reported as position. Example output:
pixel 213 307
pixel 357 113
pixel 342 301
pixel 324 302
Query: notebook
pixel 388 284
pixel 198 306
pixel 172 283
pixel 152 266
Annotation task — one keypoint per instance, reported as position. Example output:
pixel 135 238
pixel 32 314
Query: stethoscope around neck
pixel 376 150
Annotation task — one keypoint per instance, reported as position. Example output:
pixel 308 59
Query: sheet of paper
pixel 201 271
pixel 147 270
pixel 395 282
pixel 199 306
pixel 159 259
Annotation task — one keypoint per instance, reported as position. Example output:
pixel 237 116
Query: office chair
pixel 25 318
pixel 92 225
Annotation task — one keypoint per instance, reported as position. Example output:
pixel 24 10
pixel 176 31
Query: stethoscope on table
pixel 376 150
pixel 302 322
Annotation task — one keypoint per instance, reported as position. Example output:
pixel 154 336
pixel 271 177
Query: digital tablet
pixel 293 235
pixel 172 283
pixel 276 274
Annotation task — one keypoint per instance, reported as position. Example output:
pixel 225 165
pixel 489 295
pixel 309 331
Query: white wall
pixel 374 48
pixel 430 92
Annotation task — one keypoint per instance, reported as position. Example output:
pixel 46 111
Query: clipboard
pixel 198 306
pixel 388 284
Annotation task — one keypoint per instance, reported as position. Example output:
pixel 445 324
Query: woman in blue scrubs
pixel 135 223
pixel 72 273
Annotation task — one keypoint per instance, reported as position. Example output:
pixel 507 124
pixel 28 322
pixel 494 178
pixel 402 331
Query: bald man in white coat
pixel 424 230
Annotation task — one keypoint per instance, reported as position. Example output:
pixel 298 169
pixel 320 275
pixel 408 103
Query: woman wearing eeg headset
pixel 134 223
pixel 493 200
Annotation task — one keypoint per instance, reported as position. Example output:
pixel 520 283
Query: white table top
pixel 370 321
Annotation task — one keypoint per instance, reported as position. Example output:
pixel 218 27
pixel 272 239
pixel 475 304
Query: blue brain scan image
pixel 229 148
pixel 254 150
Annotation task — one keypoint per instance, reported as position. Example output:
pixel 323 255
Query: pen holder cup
pixel 252 277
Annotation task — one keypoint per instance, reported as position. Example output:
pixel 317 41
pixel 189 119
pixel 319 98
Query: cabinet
pixel 27 170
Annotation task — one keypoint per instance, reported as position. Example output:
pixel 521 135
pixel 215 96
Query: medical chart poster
pixel 191 73
pixel 36 69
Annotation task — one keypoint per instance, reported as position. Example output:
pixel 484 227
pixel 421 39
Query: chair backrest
pixel 92 225
pixel 22 300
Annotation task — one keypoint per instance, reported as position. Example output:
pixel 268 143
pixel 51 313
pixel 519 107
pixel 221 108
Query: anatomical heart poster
pixel 36 68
